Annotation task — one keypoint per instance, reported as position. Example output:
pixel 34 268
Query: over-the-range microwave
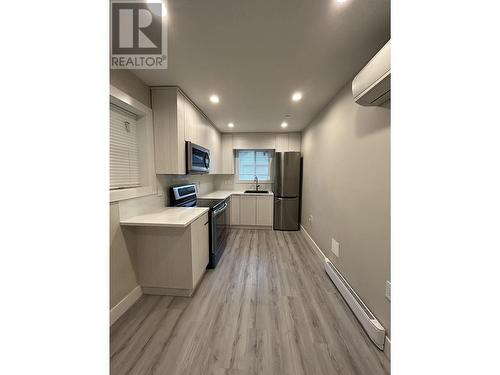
pixel 197 159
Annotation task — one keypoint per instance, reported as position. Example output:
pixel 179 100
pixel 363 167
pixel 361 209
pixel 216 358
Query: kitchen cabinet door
pixel 218 150
pixel 282 142
pixel 215 151
pixel 199 247
pixel 264 210
pixel 168 121
pixel 227 154
pixel 294 142
pixel 235 210
pixel 189 120
pixel 254 141
pixel 247 209
pixel 198 128
pixel 204 131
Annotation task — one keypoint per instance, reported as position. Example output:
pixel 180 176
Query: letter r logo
pixel 137 28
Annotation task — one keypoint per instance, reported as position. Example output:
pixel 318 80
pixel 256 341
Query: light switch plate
pixel 388 290
pixel 335 247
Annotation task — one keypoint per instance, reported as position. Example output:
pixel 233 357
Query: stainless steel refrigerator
pixel 287 191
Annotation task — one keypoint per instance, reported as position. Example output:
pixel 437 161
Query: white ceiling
pixel 255 53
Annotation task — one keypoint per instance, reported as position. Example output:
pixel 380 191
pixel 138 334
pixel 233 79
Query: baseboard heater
pixel 371 325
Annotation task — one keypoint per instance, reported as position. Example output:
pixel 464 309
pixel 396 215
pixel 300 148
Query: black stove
pixel 186 196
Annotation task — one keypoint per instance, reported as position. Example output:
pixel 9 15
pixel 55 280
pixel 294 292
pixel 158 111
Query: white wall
pixel 122 276
pixel 346 189
pixel 121 246
pixel 129 83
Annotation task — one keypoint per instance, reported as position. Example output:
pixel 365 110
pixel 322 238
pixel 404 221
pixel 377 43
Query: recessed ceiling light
pixel 341 1
pixel 296 96
pixel 284 124
pixel 214 99
pixel 231 125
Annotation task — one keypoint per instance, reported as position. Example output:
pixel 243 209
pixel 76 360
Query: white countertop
pixel 167 217
pixel 223 194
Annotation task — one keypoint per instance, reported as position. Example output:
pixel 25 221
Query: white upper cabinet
pixel 227 154
pixel 287 142
pixel 176 120
pixel 294 142
pixel 252 141
pixel 194 124
pixel 204 132
pixel 281 142
pixel 168 122
pixel 189 118
pixel 215 147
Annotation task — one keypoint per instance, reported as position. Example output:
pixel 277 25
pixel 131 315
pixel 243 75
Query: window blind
pixel 253 163
pixel 123 149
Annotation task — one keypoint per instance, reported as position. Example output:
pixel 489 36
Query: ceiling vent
pixel 372 85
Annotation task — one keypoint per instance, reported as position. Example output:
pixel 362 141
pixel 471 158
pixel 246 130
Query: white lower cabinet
pixel 247 209
pixel 264 211
pixel 172 261
pixel 235 210
pixel 199 248
pixel 252 210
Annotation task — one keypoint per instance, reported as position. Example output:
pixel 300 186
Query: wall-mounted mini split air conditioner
pixel 372 85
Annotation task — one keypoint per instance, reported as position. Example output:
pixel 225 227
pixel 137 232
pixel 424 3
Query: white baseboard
pixel 313 244
pixel 321 255
pixel 387 347
pixel 124 304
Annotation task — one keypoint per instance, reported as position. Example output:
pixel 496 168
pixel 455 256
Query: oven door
pixel 198 159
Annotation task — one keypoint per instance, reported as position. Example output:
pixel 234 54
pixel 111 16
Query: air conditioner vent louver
pixel 371 325
pixel 372 85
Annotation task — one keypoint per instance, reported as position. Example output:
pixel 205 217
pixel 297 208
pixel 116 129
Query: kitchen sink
pixel 257 191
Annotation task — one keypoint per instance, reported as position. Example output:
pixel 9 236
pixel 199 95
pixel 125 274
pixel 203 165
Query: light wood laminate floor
pixel 268 308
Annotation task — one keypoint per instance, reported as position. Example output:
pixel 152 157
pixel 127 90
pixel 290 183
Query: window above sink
pixel 254 163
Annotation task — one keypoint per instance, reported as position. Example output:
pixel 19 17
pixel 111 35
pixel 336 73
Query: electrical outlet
pixel 335 247
pixel 310 219
pixel 388 290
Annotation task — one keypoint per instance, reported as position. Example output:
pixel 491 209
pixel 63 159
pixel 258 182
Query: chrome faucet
pixel 256 180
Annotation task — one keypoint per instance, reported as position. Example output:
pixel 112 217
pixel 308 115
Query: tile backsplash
pixel 228 182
